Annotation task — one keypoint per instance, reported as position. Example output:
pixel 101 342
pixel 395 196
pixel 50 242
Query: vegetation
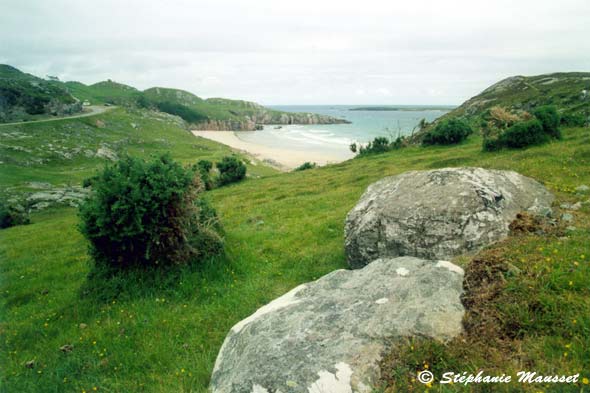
pixel 204 169
pixel 231 170
pixel 549 119
pixel 306 165
pixel 504 129
pixel 151 330
pixel 448 132
pixel 24 96
pixel 12 214
pixel 145 215
pixel 569 92
pixel 378 145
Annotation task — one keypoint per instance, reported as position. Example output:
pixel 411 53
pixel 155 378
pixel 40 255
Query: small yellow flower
pixel 574 321
pixel 571 283
pixel 568 346
pixel 94 343
pixel 585 381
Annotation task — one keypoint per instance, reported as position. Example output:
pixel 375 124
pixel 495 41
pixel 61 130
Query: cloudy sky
pixel 299 52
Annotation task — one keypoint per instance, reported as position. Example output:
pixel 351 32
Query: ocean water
pixel 335 139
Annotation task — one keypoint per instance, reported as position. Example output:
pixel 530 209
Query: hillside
pixel 226 114
pixel 568 91
pixel 24 97
pixel 45 163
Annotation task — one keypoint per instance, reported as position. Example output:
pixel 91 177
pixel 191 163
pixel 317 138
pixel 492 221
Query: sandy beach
pixel 281 158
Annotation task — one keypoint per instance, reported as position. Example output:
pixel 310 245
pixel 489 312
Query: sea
pixel 335 139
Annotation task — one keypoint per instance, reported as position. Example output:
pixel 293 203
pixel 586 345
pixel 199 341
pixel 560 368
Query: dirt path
pixel 93 110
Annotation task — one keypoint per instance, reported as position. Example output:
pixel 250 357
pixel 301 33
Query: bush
pixel 381 145
pixel 549 119
pixel 12 214
pixel 448 132
pixel 231 170
pixel 204 169
pixel 306 165
pixel 573 120
pixel 147 214
pixel 518 136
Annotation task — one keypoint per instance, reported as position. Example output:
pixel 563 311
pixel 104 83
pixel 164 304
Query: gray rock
pixel 582 189
pixel 329 335
pixel 438 214
pixel 105 152
pixel 567 217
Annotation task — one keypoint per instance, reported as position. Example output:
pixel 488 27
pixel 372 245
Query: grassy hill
pixel 22 96
pixel 568 91
pixel 137 334
pixel 104 92
pixel 25 97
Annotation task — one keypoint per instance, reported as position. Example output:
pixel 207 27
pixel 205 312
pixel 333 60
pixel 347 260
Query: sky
pixel 299 52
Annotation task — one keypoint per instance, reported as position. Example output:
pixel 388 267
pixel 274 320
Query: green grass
pixel 55 152
pixel 162 335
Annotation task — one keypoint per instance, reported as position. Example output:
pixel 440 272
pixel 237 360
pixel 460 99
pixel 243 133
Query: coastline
pixel 280 158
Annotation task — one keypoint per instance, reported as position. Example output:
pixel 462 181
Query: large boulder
pixel 329 335
pixel 438 214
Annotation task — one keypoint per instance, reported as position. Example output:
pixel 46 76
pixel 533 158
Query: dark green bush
pixel 231 170
pixel 380 145
pixel 448 132
pixel 12 214
pixel 523 134
pixel 204 169
pixel 573 120
pixel 549 119
pixel 306 165
pixel 147 214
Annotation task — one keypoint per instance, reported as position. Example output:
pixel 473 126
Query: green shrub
pixel 523 134
pixel 380 145
pixel 231 170
pixel 448 132
pixel 549 119
pixel 12 214
pixel 147 214
pixel 306 165
pixel 204 169
pixel 573 120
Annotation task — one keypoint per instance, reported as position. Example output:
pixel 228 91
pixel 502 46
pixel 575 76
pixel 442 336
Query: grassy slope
pixel 281 231
pixel 38 152
pixel 565 90
pixel 25 88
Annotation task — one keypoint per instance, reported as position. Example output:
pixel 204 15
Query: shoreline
pixel 279 158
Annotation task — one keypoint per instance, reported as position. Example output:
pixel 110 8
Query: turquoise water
pixel 334 139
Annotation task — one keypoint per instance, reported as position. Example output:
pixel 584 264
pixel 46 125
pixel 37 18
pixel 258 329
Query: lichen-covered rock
pixel 438 214
pixel 329 335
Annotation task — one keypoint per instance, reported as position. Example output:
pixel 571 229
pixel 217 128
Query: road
pixel 93 110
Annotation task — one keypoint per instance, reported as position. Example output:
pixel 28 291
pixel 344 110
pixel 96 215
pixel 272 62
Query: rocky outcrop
pixel 438 214
pixel 329 335
pixel 264 117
